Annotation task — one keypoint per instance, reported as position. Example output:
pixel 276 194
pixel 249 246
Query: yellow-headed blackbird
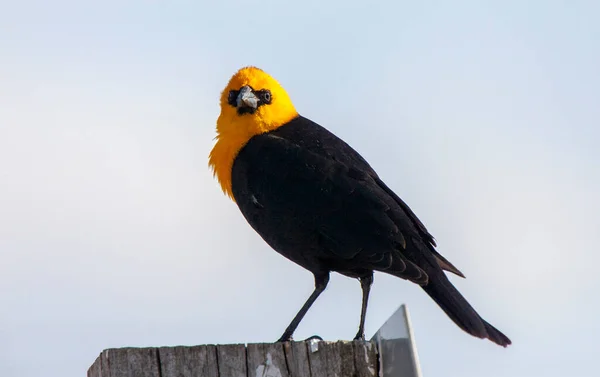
pixel 317 202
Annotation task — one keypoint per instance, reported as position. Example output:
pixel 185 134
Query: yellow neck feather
pixel 235 130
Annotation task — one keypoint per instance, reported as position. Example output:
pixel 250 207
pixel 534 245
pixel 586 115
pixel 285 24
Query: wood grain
pixel 289 359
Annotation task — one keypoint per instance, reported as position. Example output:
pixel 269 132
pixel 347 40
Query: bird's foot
pixel 288 338
pixel 314 337
pixel 285 338
pixel 360 336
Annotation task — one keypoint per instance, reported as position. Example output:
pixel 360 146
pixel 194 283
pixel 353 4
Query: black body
pixel 316 201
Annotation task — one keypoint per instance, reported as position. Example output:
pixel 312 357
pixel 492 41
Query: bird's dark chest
pixel 285 218
pixel 285 215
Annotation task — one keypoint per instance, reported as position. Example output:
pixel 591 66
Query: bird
pixel 318 202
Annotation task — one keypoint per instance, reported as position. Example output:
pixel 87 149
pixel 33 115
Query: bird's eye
pixel 232 98
pixel 265 96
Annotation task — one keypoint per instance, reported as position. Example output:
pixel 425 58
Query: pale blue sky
pixel 483 116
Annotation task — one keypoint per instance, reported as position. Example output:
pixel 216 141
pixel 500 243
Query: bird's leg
pixel 365 284
pixel 321 281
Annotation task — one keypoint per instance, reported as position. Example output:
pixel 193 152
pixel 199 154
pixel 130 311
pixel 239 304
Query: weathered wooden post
pixel 291 359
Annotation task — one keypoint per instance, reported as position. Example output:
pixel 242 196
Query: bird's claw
pixel 360 337
pixel 314 337
pixel 286 338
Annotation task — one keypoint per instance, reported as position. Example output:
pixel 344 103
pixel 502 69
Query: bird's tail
pixel 441 290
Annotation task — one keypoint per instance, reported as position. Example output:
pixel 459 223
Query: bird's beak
pixel 246 98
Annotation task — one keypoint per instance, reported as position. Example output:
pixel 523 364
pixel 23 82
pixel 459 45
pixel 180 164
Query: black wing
pixel 302 202
pixel 317 139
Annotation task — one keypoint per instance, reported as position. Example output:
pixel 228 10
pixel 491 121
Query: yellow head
pixel 252 103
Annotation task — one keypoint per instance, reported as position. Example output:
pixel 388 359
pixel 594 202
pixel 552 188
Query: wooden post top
pixel 290 359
